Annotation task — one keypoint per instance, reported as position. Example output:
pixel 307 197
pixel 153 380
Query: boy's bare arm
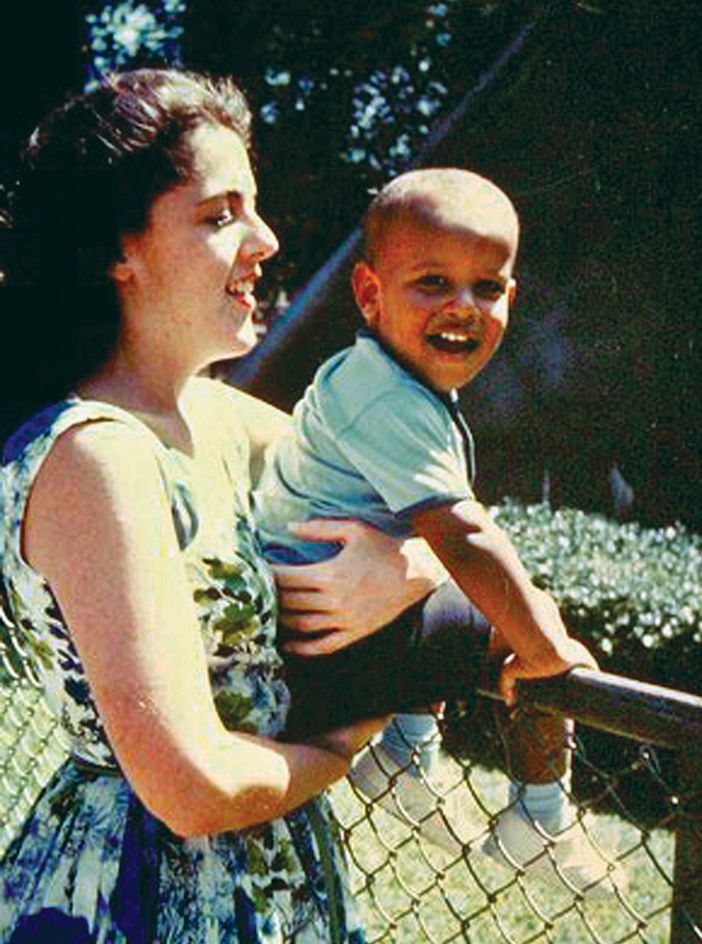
pixel 484 563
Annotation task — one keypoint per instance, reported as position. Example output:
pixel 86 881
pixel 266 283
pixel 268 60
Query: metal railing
pixel 662 717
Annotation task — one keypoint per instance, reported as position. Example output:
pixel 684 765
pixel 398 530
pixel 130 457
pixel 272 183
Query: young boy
pixel 378 437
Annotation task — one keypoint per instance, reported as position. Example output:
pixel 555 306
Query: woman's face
pixel 189 278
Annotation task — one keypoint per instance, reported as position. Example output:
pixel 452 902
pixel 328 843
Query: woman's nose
pixel 261 242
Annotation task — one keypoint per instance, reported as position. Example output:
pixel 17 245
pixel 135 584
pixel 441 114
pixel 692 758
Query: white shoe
pixel 407 798
pixel 567 861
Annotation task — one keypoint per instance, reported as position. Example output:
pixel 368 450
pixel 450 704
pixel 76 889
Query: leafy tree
pixel 122 34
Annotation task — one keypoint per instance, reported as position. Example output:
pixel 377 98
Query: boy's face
pixel 439 297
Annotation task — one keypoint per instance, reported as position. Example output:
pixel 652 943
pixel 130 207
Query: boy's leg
pixel 449 646
pixel 412 740
pixel 433 651
pixel 541 829
pixel 537 748
pixel 406 750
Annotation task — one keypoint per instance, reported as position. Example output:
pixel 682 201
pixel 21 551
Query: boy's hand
pixel 571 653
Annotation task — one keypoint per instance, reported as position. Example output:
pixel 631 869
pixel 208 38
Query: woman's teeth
pixel 242 288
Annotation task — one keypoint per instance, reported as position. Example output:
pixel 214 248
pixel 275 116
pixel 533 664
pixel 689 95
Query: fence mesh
pixel 412 889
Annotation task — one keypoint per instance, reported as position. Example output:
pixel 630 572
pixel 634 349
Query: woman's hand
pixel 365 586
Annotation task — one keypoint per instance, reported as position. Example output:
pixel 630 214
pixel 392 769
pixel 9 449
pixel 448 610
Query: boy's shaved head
pixel 443 197
pixel 436 282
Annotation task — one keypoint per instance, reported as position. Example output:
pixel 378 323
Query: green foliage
pixel 124 34
pixel 390 89
pixel 633 595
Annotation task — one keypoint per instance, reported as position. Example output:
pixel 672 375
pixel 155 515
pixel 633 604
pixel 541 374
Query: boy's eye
pixel 433 283
pixel 489 291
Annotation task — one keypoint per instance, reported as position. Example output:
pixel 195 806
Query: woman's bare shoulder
pixel 251 408
pixel 259 421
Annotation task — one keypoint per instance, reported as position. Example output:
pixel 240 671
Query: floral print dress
pixel 91 865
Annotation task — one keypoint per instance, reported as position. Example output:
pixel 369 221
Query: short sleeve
pixel 407 446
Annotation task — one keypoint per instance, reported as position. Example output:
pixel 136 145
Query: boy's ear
pixel 366 290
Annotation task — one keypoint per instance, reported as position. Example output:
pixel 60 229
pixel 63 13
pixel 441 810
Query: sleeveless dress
pixel 91 865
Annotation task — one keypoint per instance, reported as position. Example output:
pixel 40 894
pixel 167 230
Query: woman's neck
pixel 154 396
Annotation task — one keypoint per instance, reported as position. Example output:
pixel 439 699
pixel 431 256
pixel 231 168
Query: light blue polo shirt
pixel 367 441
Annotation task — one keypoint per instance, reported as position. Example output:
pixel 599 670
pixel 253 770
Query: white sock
pixel 547 803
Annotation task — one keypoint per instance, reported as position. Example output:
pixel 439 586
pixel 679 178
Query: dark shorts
pixel 434 651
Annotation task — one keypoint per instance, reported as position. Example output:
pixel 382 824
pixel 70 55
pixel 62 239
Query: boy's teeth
pixel 455 337
pixel 454 342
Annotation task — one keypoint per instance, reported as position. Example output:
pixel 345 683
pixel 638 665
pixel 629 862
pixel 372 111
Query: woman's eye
pixel 221 219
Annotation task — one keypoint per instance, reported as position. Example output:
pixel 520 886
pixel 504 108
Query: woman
pixel 129 557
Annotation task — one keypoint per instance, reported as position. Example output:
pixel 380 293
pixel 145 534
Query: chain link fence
pixel 635 808
pixel 636 813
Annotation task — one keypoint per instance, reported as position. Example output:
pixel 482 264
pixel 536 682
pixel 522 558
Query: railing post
pixel 686 919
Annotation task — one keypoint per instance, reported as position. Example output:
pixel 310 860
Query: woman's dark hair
pixel 89 174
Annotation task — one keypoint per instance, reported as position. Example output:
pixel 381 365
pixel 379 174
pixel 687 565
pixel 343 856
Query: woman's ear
pixel 366 290
pixel 121 269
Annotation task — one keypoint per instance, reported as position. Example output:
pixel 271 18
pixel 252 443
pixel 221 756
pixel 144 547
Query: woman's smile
pixel 242 290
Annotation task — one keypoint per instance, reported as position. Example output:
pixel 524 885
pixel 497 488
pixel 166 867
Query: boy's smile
pixel 439 296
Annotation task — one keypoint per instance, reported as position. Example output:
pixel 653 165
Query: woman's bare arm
pixel 263 423
pixel 98 528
